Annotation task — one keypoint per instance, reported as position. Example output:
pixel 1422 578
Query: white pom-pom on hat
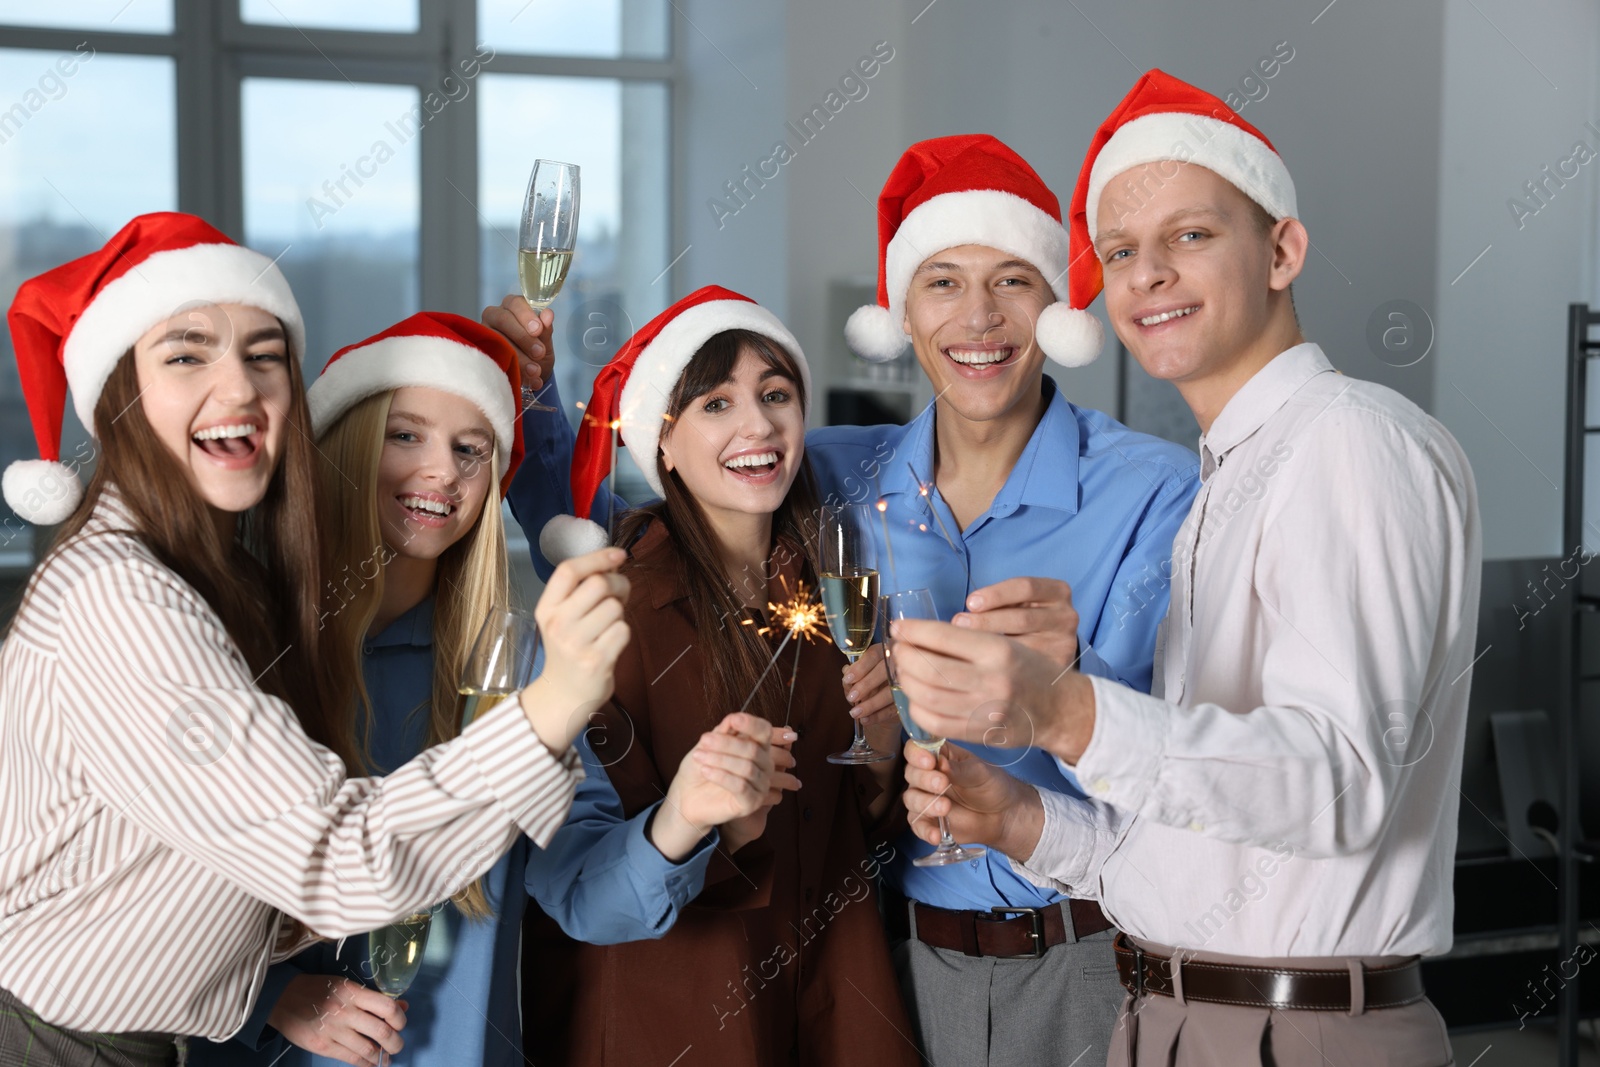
pixel 872 334
pixel 42 491
pixel 567 536
pixel 1068 336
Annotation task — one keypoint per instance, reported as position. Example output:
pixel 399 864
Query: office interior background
pixel 1445 153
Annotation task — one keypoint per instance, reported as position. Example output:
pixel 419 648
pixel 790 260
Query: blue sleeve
pixel 255 1033
pixel 601 879
pixel 1124 642
pixel 542 487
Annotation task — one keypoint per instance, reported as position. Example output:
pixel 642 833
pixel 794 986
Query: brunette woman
pixel 781 958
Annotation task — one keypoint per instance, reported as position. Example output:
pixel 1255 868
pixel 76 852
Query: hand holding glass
pixel 918 604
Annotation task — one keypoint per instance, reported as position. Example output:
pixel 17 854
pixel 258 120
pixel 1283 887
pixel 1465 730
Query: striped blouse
pixel 159 814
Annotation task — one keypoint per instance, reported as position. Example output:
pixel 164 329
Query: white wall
pixel 1500 374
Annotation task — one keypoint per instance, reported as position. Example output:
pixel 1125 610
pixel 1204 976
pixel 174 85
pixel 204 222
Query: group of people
pixel 1180 695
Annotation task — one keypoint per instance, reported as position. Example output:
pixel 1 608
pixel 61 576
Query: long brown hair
pixel 473 577
pixel 262 583
pixel 741 653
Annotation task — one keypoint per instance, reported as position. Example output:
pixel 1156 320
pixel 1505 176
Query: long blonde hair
pixel 473 579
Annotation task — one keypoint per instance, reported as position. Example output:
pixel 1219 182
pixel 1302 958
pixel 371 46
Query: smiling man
pixel 1024 515
pixel 1274 829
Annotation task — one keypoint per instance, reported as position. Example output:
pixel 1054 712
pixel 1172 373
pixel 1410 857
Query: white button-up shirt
pixel 1291 787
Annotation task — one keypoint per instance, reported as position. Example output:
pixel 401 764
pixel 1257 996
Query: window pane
pixel 85 145
pixel 617 132
pixel 635 28
pixel 391 16
pixel 121 16
pixel 331 191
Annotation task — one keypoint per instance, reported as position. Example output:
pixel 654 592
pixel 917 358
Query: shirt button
pixel 1195 825
pixel 805 814
pixel 810 893
pixel 366 650
pixel 1101 786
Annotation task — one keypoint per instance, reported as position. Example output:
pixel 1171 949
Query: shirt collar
pixel 1258 400
pixel 1045 475
pixel 414 628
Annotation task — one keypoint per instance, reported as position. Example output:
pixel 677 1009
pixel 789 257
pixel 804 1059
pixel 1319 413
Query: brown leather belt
pixel 1266 987
pixel 1008 933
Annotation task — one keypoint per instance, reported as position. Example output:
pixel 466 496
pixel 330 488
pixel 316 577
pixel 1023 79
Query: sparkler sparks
pixel 800 615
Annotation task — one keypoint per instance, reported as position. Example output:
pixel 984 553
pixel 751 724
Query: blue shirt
pixel 1089 502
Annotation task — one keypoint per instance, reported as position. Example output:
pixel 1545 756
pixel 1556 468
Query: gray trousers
pixel 28 1041
pixel 1170 1033
pixel 978 1011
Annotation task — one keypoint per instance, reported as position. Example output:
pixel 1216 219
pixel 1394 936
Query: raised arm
pixel 176 740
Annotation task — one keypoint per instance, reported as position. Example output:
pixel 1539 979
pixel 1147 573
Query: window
pixel 379 152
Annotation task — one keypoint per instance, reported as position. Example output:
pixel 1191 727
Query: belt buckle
pixel 1036 918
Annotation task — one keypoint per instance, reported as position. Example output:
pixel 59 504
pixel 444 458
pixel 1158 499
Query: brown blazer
pixel 781 960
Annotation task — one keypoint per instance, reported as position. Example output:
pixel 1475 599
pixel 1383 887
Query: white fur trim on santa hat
pixel 154 291
pixel 431 362
pixel 1239 157
pixel 986 217
pixel 42 491
pixel 644 397
pixel 566 536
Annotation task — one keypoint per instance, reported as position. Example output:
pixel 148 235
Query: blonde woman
pixel 418 436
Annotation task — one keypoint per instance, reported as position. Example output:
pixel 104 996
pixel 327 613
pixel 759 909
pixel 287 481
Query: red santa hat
pixel 1166 119
pixel 70 326
pixel 970 189
pixel 631 393
pixel 437 350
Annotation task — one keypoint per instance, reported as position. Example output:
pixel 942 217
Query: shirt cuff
pixel 662 886
pixel 533 787
pixel 1129 742
pixel 255 1034
pixel 1065 857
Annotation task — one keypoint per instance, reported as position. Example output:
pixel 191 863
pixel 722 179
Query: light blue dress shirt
pixel 1089 501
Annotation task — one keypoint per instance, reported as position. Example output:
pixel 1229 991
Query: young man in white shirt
pixel 1275 828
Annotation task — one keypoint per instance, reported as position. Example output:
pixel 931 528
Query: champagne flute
pixel 849 581
pixel 394 955
pixel 549 235
pixel 918 604
pixel 500 663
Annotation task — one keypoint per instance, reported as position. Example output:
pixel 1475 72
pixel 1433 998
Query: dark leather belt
pixel 1286 989
pixel 1008 933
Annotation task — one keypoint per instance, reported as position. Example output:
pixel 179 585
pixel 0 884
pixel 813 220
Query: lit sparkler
pixel 801 615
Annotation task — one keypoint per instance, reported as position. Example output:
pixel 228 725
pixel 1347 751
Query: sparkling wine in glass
pixel 394 955
pixel 500 663
pixel 849 584
pixel 918 604
pixel 549 234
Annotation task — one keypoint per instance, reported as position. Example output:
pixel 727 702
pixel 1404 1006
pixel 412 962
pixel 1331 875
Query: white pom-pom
pixel 566 536
pixel 873 335
pixel 42 491
pixel 1071 338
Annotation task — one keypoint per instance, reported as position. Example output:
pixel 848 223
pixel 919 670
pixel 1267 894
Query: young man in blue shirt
pixel 1023 515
